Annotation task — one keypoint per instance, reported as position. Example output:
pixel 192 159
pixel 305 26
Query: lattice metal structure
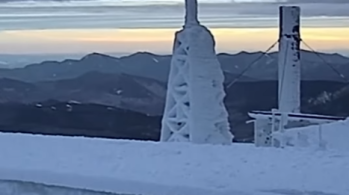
pixel 194 110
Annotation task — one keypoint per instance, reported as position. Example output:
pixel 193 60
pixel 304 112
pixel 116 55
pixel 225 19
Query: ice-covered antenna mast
pixel 194 110
pixel 191 12
pixel 289 59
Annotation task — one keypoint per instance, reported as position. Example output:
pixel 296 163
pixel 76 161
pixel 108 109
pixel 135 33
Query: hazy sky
pixel 81 26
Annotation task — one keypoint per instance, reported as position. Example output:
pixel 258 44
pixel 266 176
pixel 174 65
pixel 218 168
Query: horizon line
pixel 126 54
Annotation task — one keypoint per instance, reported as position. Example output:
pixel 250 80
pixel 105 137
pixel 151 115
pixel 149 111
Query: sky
pixel 127 26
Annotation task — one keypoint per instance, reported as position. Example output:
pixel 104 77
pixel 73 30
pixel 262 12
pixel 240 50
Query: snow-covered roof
pixel 151 168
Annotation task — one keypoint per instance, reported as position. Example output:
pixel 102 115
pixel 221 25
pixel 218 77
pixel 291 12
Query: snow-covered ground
pixel 150 168
pixel 30 188
pixel 331 136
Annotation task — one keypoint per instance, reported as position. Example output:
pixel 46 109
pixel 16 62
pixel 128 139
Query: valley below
pixel 104 96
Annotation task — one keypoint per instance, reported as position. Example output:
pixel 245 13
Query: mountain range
pixel 53 115
pixel 137 84
pixel 123 91
pixel 315 66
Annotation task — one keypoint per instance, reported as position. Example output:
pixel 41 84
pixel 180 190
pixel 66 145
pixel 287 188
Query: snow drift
pixel 151 168
pixel 30 188
pixel 331 136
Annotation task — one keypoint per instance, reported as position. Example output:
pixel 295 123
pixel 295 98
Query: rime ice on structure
pixel 289 59
pixel 289 74
pixel 194 110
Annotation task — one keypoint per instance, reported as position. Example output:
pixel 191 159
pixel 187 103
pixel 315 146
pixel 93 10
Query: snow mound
pixel 331 136
pixel 30 188
pixel 151 168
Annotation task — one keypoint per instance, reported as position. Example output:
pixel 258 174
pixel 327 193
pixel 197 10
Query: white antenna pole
pixel 289 68
pixel 191 12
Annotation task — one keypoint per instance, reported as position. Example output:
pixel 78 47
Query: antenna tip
pixel 191 7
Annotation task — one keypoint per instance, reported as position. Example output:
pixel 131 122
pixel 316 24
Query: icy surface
pixel 209 116
pixel 332 136
pixel 150 168
pixel 194 110
pixel 289 70
pixel 30 188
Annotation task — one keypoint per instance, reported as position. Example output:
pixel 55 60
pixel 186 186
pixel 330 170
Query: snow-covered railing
pixel 269 126
pixel 296 116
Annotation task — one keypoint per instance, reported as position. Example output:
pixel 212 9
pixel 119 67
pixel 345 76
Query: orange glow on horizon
pixel 131 40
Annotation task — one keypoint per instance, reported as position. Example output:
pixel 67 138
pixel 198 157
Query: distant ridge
pixel 77 119
pixel 149 65
pixel 120 90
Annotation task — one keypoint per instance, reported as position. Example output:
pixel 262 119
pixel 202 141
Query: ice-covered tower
pixel 289 69
pixel 194 110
